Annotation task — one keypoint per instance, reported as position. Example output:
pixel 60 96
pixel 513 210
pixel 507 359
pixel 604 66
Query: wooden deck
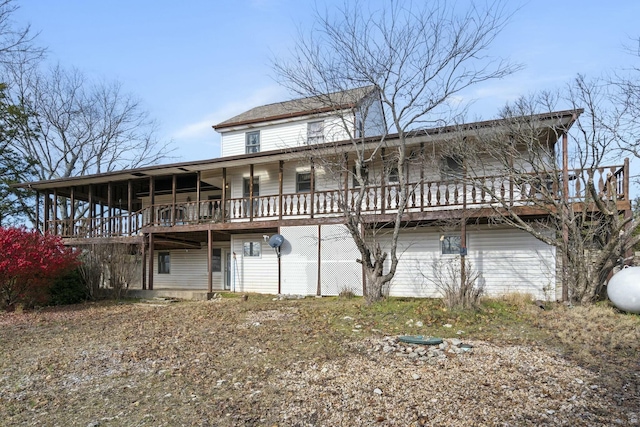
pixel 426 200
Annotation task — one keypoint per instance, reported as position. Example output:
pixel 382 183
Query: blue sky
pixel 195 63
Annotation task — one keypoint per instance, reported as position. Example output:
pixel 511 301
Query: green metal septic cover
pixel 419 339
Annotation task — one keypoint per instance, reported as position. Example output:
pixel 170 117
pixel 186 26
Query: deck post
pixel 109 209
pixel 72 213
pixel 422 177
pixel 151 255
pixel 383 182
pixel 198 196
pixel 38 211
pixel 144 262
pixel 92 209
pixel 251 213
pixel 152 201
pixel 55 211
pixel 346 181
pixel 565 207
pixel 279 271
pixel 319 286
pixel 47 206
pixel 280 187
pixel 312 189
pixel 209 263
pixel 129 207
pixel 223 208
pixel 174 184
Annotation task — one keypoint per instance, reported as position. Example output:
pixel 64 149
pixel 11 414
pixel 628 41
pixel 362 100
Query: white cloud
pixel 203 127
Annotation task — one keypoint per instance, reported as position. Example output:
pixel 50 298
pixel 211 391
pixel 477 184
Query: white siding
pixel 253 274
pixel 188 269
pixel 276 136
pixel 509 261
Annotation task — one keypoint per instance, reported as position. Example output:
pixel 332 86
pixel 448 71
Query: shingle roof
pixel 299 107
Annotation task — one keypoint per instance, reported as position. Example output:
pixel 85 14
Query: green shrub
pixel 68 289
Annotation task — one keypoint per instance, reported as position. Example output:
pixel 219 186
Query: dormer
pixel 333 117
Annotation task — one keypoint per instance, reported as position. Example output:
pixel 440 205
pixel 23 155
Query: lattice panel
pixel 299 262
pixel 339 270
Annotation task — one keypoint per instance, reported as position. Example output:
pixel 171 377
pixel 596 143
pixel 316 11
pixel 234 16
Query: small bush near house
pixel 29 264
pixel 68 289
pixel 458 290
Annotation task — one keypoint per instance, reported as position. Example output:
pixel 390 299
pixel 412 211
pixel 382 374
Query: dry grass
pixel 234 362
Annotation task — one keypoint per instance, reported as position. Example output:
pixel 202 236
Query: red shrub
pixel 29 262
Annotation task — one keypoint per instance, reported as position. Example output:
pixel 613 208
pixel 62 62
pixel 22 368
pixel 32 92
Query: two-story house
pixel 205 225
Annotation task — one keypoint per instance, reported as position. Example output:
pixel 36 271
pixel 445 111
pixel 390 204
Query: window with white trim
pixel 252 249
pixel 451 244
pixel 216 260
pixel 315 132
pixel 252 141
pixel 451 168
pixel 303 182
pixel 364 173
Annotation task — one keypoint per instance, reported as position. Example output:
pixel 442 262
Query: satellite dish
pixel 276 241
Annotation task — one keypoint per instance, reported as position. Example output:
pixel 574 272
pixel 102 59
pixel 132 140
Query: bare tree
pixel 576 207
pixel 81 127
pixel 417 57
pixel 17 44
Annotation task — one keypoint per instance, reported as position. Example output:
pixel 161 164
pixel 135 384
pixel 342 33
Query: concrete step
pixel 196 295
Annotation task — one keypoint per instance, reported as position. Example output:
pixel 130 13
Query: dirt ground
pixel 316 362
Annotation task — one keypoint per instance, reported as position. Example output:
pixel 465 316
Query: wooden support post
pixel 422 177
pixel 312 175
pixel 174 185
pixel 346 180
pixel 144 262
pixel 198 195
pixel 151 256
pixel 152 201
pixel 47 207
pixel 209 263
pixel 110 208
pixel 383 182
pixel 251 213
pixel 280 188
pixel 319 286
pixel 92 209
pixel 72 213
pixel 38 212
pixel 279 270
pixel 463 229
pixel 224 195
pixel 55 211
pixel 129 208
pixel 565 207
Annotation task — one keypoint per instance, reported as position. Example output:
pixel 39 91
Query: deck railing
pixel 609 182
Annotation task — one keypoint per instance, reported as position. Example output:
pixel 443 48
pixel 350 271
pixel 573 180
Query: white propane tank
pixel 624 289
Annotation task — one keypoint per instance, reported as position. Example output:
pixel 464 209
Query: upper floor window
pixel 392 175
pixel 252 142
pixel 315 132
pixel 303 182
pixel 246 188
pixel 364 173
pixel 451 167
